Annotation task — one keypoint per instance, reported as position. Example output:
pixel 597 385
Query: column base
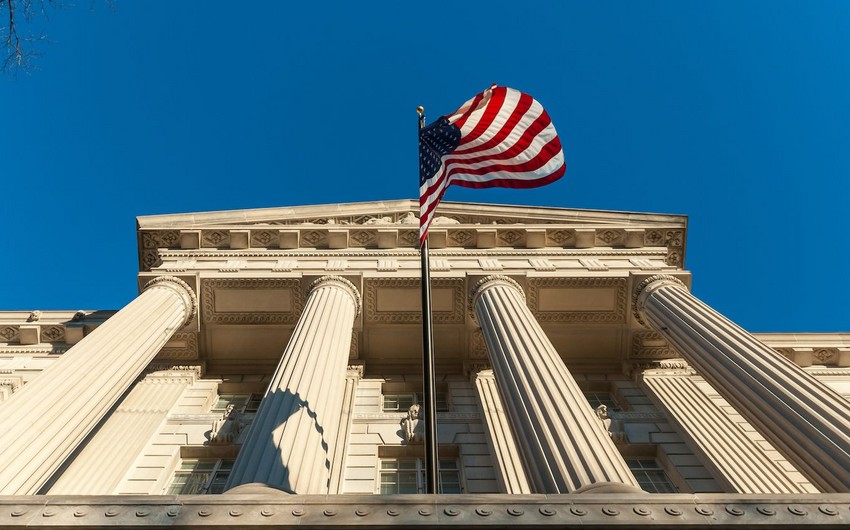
pixel 256 488
pixel 609 487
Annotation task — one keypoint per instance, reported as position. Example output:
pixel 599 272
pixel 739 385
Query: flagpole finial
pixel 420 109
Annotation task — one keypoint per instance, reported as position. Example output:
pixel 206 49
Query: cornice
pixel 412 253
pixel 268 507
pixel 397 209
pixel 157 245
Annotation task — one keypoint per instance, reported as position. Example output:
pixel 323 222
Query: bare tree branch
pixel 18 47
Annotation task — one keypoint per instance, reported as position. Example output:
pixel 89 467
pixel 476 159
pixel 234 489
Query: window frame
pixel 221 468
pixel 651 474
pixel 415 398
pixel 418 468
pixel 247 402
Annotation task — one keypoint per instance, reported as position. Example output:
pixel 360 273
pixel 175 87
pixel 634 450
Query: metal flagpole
pixel 429 398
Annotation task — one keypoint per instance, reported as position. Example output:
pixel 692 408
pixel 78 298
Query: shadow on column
pixel 278 474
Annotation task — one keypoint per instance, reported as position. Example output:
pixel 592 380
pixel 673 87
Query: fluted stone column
pixel 45 421
pixel 564 445
pixel 738 454
pixel 292 438
pixel 353 376
pixel 512 476
pixel 111 451
pixel 803 418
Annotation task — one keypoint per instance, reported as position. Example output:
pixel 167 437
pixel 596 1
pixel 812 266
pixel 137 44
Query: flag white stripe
pixel 544 137
pixel 464 167
pixel 528 117
pixel 505 112
pixel 544 171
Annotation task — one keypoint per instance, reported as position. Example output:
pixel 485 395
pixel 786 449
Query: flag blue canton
pixel 435 141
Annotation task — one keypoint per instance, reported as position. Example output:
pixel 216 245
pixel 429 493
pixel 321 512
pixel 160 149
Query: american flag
pixel 499 138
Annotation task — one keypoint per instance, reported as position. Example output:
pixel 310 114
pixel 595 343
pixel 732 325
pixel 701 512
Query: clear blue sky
pixel 735 113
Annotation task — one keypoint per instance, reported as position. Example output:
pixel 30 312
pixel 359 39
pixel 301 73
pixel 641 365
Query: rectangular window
pixel 402 402
pixel 399 402
pixel 650 475
pixel 242 402
pixel 406 475
pixel 200 476
pixel 601 398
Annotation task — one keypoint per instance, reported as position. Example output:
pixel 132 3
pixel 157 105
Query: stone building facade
pixel 268 373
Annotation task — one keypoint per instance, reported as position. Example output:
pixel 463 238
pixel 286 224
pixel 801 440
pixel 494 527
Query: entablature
pixel 158 246
pixel 393 227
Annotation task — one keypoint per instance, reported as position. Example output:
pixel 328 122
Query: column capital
pixel 488 282
pixel 341 283
pixel 647 287
pixel 190 300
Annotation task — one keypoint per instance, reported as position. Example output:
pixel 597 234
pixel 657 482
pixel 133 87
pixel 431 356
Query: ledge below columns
pixel 426 511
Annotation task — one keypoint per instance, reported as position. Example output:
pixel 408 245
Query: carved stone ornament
pixel 34 316
pixel 456 315
pixel 616 314
pixel 211 315
pixel 339 282
pixel 825 355
pixel 646 287
pixel 168 368
pixel 477 347
pixel 187 351
pixel 650 345
pixel 443 220
pixel 613 426
pixel 560 237
pixel 489 282
pixel 148 259
pixel 354 349
pixel 609 237
pixel 412 426
pixel 509 237
pixel 52 333
pixel 181 288
pixel 226 429
pixel 9 333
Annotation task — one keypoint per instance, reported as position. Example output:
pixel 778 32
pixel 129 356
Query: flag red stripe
pixel 517 115
pixel 494 106
pixel 549 151
pixel 513 144
pixel 546 153
pixel 523 143
pixel 465 116
pixel 509 182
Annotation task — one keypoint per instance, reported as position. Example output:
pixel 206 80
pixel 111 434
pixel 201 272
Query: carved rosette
pixel 9 333
pixel 55 333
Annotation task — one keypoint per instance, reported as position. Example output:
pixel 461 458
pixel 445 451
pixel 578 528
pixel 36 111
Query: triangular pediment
pixel 405 212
